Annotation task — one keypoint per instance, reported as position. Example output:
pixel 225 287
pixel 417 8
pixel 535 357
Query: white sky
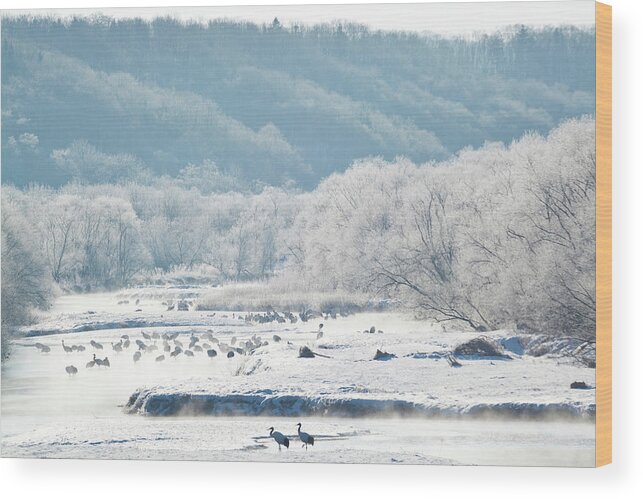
pixel 444 18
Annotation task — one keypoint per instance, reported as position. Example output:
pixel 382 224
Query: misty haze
pixel 214 231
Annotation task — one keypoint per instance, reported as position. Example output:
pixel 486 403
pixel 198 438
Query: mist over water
pixel 47 413
pixel 382 227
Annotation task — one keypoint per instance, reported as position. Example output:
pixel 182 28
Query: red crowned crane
pixel 305 437
pixel 280 438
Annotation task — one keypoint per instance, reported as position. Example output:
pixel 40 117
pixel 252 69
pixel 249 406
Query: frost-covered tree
pixel 499 236
pixel 83 162
pixel 26 285
pixel 207 178
pixel 496 237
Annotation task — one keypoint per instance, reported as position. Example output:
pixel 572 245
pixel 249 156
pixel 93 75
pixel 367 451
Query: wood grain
pixel 603 234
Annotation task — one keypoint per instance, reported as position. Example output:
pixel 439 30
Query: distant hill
pixel 266 103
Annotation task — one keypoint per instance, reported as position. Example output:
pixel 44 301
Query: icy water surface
pixel 46 413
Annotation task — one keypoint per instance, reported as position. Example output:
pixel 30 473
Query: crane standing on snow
pixel 96 345
pixel 91 363
pixel 305 437
pixel 280 438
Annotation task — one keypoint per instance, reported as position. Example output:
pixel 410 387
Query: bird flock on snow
pixel 167 345
pixel 124 343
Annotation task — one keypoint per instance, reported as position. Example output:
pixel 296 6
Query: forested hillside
pixel 98 100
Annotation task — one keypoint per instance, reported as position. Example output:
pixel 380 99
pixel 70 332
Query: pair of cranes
pixel 282 439
pixel 73 370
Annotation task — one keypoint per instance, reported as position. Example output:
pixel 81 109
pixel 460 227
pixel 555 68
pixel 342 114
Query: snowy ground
pixel 489 411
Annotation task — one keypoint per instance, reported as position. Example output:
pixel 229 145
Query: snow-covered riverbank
pixel 338 440
pixel 48 413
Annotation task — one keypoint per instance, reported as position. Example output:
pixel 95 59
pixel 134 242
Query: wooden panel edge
pixel 603 234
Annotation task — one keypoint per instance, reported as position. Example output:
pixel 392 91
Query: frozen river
pixel 46 413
